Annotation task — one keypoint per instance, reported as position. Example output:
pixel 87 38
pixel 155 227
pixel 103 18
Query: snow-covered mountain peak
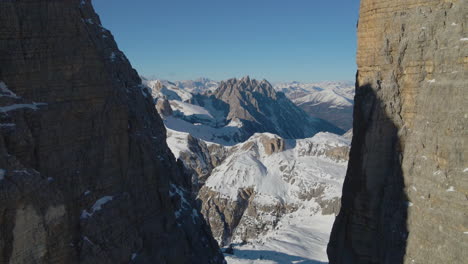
pixel 264 164
pixel 332 101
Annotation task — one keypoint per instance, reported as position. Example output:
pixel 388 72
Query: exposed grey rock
pixel 86 175
pixel 261 109
pixel 405 194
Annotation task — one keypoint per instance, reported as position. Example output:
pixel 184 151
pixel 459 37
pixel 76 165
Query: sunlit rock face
pixel 85 172
pixel 405 194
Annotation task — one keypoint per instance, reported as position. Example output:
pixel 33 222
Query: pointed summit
pixel 246 79
pixel 257 102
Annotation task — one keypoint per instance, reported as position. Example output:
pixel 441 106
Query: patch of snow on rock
pixel 2 174
pixel 96 207
pixel 4 91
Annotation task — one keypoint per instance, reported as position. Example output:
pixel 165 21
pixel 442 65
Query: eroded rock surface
pixel 86 175
pixel 405 194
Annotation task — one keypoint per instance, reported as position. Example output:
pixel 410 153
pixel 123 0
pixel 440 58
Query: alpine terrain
pixel 234 111
pixel 267 179
pixel 99 164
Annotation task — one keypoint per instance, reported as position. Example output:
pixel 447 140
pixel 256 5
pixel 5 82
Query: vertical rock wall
pixel 85 172
pixel 405 198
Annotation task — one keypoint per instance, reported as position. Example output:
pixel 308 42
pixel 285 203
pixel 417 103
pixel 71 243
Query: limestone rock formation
pixel 262 109
pixel 85 172
pixel 405 194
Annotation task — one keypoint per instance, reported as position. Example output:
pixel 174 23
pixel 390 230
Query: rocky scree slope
pixel 405 194
pixel 85 172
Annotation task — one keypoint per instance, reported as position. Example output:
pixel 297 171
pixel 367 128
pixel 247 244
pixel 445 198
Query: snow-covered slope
pixel 332 101
pixel 272 199
pixel 168 90
pixel 341 89
pixel 285 175
pixel 264 180
pixel 298 238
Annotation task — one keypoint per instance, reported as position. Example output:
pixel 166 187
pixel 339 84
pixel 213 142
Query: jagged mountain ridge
pixel 237 109
pixel 262 109
pixel 86 175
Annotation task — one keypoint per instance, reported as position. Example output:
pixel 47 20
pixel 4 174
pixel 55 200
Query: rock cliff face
pixel 86 175
pixel 406 190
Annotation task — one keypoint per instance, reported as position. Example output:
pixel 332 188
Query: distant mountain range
pixel 233 111
pixel 331 100
pixel 257 159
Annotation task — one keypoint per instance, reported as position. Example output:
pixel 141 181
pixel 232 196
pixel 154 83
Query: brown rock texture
pixel 405 194
pixel 272 144
pixel 86 175
pixel 164 107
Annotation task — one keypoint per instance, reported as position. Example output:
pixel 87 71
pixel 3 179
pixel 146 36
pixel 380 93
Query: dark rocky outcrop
pixel 86 175
pixel 405 194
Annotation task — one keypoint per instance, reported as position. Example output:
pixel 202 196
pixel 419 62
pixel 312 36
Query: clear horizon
pixel 177 40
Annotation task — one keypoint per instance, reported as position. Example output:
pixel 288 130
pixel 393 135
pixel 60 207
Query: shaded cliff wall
pixel 405 197
pixel 86 175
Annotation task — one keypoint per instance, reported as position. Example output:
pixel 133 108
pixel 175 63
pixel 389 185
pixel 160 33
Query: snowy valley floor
pixel 299 238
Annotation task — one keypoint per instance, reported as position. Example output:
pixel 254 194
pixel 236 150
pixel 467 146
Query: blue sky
pixel 279 40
